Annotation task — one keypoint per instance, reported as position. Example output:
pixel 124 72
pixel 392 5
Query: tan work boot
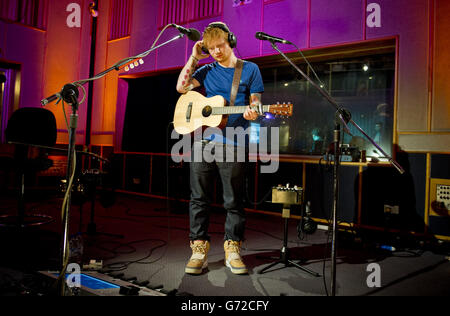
pixel 233 259
pixel 199 258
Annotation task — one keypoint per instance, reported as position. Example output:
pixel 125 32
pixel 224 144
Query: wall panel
pixel 3 32
pixel 288 20
pixel 172 55
pixel 424 142
pixel 66 58
pixel 244 21
pixel 102 62
pixel 105 122
pixel 30 59
pixel 335 21
pixel 409 20
pixel 441 91
pixel 144 32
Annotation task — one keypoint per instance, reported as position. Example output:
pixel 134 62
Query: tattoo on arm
pixel 255 102
pixel 185 80
pixel 255 99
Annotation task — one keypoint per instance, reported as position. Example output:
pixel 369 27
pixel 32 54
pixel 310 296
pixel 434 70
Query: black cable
pixel 122 265
pixel 329 230
pixel 263 200
pixel 300 232
pixel 322 85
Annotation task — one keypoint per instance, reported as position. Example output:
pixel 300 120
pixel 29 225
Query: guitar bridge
pixel 189 112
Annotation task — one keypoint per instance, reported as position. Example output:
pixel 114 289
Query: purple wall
pixel 409 19
pixel 31 59
pixel 286 20
pixel 335 21
pixel 61 54
pixel 313 24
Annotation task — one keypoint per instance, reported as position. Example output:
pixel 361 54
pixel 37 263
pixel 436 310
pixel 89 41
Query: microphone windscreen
pixel 194 35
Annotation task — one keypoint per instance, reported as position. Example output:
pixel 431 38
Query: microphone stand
pixel 70 94
pixel 337 151
pixel 342 116
pixel 127 60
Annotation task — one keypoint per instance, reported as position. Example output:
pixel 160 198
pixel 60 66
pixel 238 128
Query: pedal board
pixel 93 283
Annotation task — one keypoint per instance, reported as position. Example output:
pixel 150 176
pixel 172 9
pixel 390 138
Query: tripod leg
pixel 269 266
pixel 303 268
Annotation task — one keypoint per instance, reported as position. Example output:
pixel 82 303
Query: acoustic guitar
pixel 193 110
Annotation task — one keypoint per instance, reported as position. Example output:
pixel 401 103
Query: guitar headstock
pixel 284 109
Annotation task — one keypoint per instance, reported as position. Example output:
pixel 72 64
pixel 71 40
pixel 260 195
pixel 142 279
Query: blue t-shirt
pixel 218 80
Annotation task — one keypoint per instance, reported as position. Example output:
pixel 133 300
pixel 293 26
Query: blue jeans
pixel 202 177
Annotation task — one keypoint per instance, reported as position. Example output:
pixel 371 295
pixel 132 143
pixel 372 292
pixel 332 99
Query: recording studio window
pixel 364 85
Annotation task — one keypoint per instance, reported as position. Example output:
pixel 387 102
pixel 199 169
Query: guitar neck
pixel 236 109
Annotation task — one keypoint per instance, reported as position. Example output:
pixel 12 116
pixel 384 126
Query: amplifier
pixel 287 195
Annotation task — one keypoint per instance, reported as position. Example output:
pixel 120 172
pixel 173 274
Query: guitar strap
pixel 236 80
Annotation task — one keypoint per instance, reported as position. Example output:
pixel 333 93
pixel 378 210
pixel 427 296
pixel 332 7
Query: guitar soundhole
pixel 207 111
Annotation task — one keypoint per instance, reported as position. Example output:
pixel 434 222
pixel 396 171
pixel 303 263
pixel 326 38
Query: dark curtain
pixel 150 107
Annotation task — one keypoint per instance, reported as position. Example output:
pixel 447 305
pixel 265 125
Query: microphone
pixel 192 33
pixel 51 98
pixel 266 37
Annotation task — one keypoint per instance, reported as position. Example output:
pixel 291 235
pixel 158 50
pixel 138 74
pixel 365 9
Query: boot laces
pixel 198 248
pixel 233 246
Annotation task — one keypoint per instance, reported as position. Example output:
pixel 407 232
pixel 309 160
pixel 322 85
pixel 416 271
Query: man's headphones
pixel 231 38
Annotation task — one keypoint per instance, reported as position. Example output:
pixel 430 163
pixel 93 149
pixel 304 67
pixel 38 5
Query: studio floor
pixel 147 239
